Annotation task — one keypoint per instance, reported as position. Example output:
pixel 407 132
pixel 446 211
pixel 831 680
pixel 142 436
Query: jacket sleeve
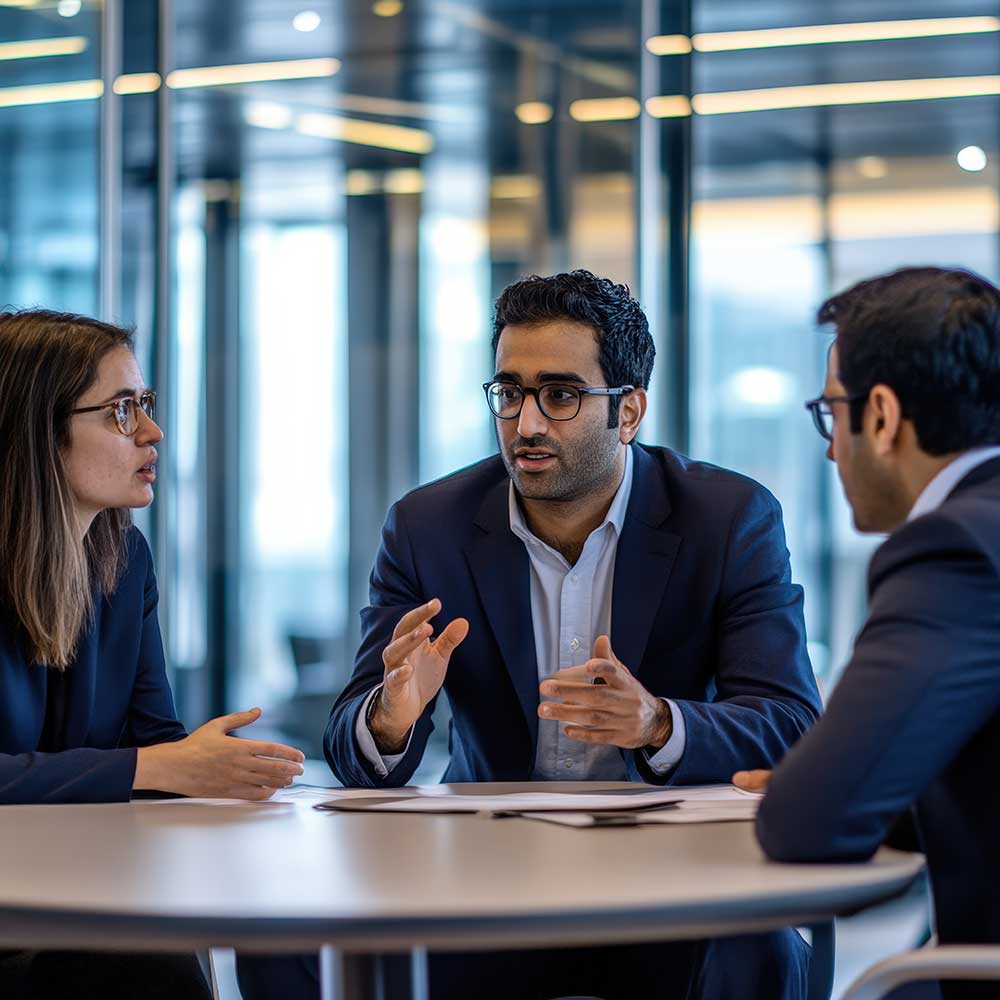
pixel 923 679
pixel 90 774
pixel 394 591
pixel 765 692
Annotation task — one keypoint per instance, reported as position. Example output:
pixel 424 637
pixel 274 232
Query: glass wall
pixel 316 204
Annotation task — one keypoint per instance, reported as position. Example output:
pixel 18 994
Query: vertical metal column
pixel 663 206
pixel 163 308
pixel 382 305
pixel 110 201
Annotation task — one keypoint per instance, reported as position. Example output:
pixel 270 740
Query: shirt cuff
pixel 669 755
pixel 382 765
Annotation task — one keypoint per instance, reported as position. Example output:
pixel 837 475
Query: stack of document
pixel 631 805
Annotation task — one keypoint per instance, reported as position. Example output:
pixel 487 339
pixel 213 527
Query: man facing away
pixel 911 410
pixel 574 556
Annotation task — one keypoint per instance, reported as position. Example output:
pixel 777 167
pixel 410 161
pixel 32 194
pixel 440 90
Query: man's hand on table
pixel 601 702
pixel 415 668
pixel 752 781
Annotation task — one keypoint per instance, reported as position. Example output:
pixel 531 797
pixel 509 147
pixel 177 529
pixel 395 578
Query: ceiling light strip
pixel 605 109
pixel 365 133
pixel 50 93
pixel 821 34
pixel 830 94
pixel 41 47
pixel 223 76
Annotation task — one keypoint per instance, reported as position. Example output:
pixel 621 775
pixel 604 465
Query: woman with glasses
pixel 86 712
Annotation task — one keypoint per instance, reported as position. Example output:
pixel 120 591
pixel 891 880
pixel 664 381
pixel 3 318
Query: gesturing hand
pixel 601 702
pixel 414 672
pixel 208 763
pixel 752 781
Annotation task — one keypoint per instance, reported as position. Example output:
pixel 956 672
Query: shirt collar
pixel 615 515
pixel 937 490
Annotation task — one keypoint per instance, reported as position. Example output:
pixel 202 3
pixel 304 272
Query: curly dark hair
pixel 624 343
pixel 933 336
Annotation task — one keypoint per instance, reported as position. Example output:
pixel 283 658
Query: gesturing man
pixel 577 556
pixel 911 414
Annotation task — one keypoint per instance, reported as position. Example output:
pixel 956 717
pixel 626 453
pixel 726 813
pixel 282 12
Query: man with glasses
pixel 911 416
pixel 577 556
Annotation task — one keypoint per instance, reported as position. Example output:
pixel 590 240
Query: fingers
pixel 235 720
pixel 595 672
pixel 273 768
pixel 582 692
pixel 446 643
pixel 252 793
pixel 395 680
pixel 416 617
pixel 602 649
pixel 266 780
pixel 260 748
pixel 752 781
pixel 400 648
pixel 579 715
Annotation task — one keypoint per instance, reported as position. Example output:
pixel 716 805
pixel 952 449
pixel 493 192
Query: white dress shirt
pixel 936 491
pixel 570 608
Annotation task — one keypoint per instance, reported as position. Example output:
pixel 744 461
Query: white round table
pixel 179 875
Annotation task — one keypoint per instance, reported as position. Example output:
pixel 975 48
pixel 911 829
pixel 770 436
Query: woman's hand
pixel 210 764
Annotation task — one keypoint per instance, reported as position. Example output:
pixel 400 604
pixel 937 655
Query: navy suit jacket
pixel 703 612
pixel 119 699
pixel 915 718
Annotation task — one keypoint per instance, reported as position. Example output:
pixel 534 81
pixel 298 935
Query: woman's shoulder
pixel 137 564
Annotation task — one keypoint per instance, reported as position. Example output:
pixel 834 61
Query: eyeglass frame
pixel 146 394
pixel 527 390
pixel 813 405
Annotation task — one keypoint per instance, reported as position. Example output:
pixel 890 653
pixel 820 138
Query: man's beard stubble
pixel 581 469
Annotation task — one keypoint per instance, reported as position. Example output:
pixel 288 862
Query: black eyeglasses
pixel 822 412
pixel 556 401
pixel 126 410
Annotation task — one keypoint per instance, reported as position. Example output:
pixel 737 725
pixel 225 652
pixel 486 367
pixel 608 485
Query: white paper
pixel 436 799
pixel 700 812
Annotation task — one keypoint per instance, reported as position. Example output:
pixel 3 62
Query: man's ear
pixel 883 419
pixel 630 414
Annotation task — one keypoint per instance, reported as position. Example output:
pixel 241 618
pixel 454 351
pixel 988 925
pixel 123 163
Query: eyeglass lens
pixel 126 413
pixel 823 418
pixel 557 402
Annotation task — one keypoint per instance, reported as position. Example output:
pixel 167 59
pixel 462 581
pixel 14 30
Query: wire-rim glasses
pixel 556 400
pixel 126 410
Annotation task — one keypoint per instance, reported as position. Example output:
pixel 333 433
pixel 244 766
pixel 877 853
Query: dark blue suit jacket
pixel 119 699
pixel 915 718
pixel 703 612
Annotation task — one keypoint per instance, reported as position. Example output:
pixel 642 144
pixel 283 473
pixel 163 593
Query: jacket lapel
pixel 500 570
pixel 645 558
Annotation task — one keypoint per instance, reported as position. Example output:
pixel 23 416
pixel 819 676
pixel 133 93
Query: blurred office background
pixel 306 208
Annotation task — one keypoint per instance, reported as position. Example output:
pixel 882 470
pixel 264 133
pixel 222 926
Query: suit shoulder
pixel 704 482
pixel 948 533
pixel 458 492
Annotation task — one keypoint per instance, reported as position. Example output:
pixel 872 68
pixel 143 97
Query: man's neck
pixel 566 524
pixel 917 475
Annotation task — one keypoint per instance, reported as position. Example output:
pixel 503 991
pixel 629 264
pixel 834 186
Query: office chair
pixel 956 961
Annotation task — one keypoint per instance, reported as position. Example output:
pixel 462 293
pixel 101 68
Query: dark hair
pixel 933 336
pixel 624 343
pixel 48 360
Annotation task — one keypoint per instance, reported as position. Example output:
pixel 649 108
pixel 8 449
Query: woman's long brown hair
pixel 48 577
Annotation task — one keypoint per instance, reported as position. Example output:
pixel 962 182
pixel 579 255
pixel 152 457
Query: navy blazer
pixel 915 718
pixel 703 612
pixel 118 699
